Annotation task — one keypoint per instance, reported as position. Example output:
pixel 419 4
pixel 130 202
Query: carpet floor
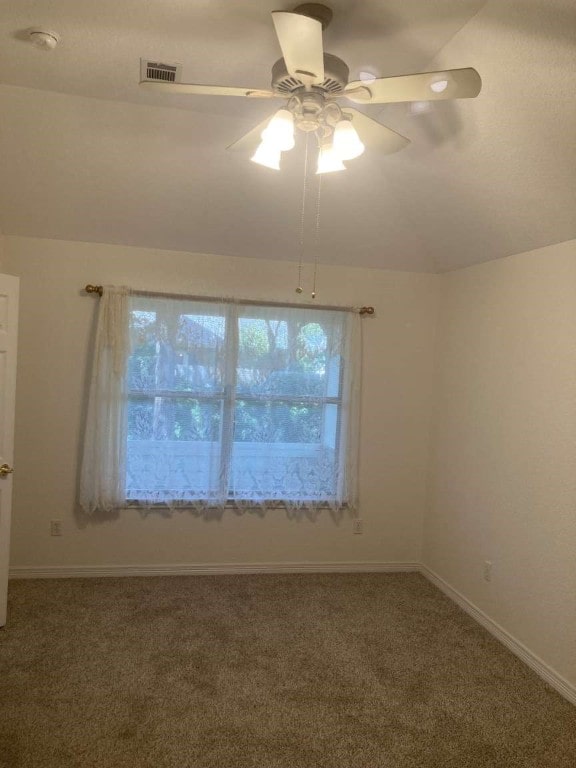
pixel 290 671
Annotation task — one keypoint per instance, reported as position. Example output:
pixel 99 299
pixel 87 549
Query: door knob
pixel 5 469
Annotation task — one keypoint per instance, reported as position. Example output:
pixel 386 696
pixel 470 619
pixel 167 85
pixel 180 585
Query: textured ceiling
pixel 86 155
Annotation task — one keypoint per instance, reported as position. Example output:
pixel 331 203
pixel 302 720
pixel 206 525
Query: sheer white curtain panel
pixel 103 471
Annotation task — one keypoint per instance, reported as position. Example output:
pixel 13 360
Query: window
pixel 234 403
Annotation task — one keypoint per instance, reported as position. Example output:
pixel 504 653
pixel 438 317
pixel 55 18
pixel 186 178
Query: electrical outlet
pixel 357 526
pixel 55 527
pixel 487 570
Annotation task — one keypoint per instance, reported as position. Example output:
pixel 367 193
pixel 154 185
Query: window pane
pixel 174 349
pixel 173 448
pixel 284 354
pixel 277 422
pixel 331 426
pixel 279 451
pixel 173 418
pixel 199 353
pixel 140 419
pixel 141 364
pixel 295 472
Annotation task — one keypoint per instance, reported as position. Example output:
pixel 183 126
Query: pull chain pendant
pixel 316 237
pixel 299 288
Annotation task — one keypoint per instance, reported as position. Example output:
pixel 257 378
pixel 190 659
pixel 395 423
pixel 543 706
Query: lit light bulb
pixel 419 107
pixel 329 161
pixel 279 133
pixel 439 84
pixel 267 155
pixel 347 144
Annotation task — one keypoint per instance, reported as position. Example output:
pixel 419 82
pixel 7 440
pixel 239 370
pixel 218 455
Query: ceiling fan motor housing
pixel 307 108
pixel 336 74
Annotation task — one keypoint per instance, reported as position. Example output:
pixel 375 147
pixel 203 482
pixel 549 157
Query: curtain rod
pixel 99 289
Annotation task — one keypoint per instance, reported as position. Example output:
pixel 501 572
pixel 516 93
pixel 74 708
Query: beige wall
pixel 56 321
pixel 501 481
pixel 503 470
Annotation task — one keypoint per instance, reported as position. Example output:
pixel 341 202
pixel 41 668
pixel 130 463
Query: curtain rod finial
pixel 366 310
pixel 94 289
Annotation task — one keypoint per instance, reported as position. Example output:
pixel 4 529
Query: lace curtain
pixel 205 404
pixel 103 472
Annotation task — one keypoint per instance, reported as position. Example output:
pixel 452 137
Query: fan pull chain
pixel 316 236
pixel 303 216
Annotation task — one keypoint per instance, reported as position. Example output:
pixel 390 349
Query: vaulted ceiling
pixel 85 154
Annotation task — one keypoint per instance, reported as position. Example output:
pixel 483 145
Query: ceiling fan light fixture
pixel 267 155
pixel 346 143
pixel 329 161
pixel 279 133
pixel 310 81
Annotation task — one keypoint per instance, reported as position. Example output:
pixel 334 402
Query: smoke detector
pixel 44 39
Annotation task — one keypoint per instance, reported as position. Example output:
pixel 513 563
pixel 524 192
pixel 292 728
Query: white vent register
pixel 160 71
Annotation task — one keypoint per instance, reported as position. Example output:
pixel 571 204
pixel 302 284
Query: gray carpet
pixel 365 671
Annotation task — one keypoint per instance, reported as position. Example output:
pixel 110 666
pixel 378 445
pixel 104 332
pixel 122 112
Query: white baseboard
pixel 556 681
pixel 203 569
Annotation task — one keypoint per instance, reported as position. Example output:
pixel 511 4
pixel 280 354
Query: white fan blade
pixel 300 39
pixel 375 135
pixel 206 90
pixel 250 141
pixel 428 86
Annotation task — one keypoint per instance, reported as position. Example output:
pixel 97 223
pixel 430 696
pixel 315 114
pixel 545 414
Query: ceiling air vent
pixel 159 71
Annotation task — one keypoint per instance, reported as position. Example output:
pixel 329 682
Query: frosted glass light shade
pixel 267 155
pixel 329 161
pixel 347 144
pixel 279 133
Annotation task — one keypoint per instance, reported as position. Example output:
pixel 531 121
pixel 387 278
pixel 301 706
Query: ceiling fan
pixel 312 83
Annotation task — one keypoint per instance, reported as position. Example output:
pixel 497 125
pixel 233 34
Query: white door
pixel 8 336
